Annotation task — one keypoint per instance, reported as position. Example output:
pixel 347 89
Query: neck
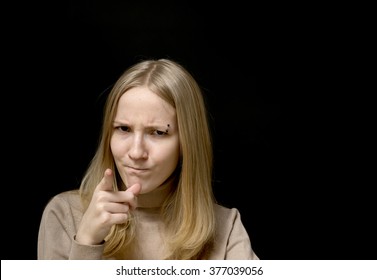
pixel 156 197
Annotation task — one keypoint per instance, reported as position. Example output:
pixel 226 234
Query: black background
pixel 284 149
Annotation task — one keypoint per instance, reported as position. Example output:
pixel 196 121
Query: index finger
pixel 106 183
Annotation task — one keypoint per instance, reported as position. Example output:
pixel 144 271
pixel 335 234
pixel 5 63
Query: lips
pixel 133 169
pixel 136 168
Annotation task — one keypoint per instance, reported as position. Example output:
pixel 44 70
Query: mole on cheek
pixel 167 129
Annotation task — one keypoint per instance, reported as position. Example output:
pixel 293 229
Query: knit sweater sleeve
pixel 57 230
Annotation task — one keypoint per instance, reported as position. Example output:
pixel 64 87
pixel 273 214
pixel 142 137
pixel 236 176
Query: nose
pixel 138 148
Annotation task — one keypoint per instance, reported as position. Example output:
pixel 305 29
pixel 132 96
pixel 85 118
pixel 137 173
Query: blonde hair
pixel 188 212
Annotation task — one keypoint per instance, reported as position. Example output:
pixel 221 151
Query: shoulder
pixel 65 201
pixel 231 238
pixel 224 214
pixel 228 220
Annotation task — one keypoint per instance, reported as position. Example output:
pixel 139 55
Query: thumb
pixel 106 183
pixel 135 189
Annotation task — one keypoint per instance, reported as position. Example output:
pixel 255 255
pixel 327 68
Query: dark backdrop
pixel 276 159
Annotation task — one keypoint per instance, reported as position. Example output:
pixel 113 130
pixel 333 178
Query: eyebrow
pixel 154 126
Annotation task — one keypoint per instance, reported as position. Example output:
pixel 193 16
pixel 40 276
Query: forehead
pixel 141 102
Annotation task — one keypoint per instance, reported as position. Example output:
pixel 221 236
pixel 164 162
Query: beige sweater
pixel 63 213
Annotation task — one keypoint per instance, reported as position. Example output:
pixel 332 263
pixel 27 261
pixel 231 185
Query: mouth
pixel 136 169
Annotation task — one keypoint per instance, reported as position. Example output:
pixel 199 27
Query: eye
pixel 123 128
pixel 160 132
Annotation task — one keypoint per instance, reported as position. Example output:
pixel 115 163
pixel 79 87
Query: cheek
pixel 116 148
pixel 170 156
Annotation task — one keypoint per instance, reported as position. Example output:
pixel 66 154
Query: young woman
pixel 147 193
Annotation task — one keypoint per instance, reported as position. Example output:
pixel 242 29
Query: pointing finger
pixel 106 183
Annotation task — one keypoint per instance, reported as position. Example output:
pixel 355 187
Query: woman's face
pixel 144 142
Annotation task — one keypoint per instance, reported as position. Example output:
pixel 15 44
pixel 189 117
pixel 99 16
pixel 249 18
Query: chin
pixel 147 189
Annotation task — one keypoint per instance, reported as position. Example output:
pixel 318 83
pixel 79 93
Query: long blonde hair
pixel 188 213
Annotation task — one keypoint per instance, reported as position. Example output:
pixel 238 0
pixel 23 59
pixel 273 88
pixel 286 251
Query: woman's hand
pixel 107 208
